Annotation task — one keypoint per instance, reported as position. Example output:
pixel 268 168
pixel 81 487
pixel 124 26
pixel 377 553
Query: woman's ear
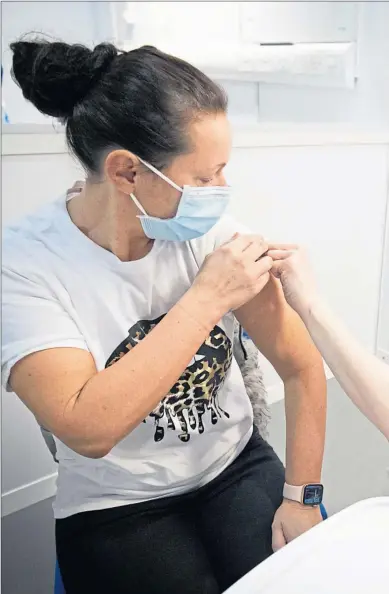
pixel 121 169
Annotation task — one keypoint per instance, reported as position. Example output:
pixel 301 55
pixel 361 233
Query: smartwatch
pixel 310 494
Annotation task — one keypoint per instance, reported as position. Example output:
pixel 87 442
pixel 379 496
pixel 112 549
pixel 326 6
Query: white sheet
pixel 346 554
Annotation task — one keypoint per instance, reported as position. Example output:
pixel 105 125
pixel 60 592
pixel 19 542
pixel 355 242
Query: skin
pixel 82 407
pixel 112 223
pixel 364 378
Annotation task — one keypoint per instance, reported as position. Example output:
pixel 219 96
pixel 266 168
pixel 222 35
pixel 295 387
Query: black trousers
pixel 198 543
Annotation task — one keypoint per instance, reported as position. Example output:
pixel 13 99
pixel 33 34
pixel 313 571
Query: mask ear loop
pixel 161 175
pixel 138 204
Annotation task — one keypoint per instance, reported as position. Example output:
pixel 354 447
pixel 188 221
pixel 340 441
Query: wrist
pixel 297 505
pixel 307 494
pixel 200 305
pixel 311 310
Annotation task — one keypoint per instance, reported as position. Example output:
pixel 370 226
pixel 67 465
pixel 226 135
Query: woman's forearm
pixel 363 377
pixel 116 400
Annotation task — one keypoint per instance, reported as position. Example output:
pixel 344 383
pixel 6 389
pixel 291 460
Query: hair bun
pixel 56 76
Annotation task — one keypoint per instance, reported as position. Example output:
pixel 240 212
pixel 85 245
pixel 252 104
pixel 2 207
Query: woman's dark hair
pixel 140 100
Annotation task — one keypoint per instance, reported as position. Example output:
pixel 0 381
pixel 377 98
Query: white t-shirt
pixel 60 289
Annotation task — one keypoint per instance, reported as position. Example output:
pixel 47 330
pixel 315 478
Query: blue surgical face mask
pixel 199 209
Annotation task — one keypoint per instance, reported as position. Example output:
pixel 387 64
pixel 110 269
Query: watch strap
pixel 293 492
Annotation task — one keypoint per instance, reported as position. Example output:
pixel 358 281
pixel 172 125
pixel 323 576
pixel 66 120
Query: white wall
pixel 27 182
pixel 331 198
pixel 88 22
pixel 329 194
pixel 82 22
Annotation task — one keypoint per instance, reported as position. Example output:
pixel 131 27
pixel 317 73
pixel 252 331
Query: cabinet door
pixel 299 22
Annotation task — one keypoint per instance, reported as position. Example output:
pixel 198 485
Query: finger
pixel 280 254
pixel 238 243
pixel 257 240
pixel 256 250
pixel 277 268
pixel 231 239
pixel 263 265
pixel 236 239
pixel 283 246
pixel 278 538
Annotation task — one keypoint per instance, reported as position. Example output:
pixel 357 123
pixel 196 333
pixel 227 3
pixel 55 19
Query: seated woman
pixel 118 329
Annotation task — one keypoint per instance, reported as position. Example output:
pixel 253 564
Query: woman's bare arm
pixel 91 411
pixel 363 377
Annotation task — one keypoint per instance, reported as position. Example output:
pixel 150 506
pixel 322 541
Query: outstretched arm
pixel 363 377
pixel 281 336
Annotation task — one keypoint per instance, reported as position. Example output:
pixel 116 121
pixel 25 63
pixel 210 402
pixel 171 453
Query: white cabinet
pixel 310 43
pixel 299 22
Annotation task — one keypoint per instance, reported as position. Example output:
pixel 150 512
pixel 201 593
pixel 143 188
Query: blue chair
pixel 58 584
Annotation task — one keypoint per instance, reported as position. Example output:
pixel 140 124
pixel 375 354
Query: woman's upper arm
pixel 278 331
pixel 45 359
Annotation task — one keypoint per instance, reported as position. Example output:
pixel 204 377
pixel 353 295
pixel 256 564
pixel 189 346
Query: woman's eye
pixel 206 181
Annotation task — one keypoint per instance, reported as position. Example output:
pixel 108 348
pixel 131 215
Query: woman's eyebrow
pixel 211 169
pixel 216 167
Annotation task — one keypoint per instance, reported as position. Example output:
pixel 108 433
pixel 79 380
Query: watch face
pixel 313 494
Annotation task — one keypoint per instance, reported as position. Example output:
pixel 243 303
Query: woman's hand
pixel 291 266
pixel 291 520
pixel 235 272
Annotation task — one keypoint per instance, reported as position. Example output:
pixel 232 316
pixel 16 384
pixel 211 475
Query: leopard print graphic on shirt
pixel 196 392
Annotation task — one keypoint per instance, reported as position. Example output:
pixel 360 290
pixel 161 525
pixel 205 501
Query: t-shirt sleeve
pixel 226 228
pixel 32 320
pixel 219 234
